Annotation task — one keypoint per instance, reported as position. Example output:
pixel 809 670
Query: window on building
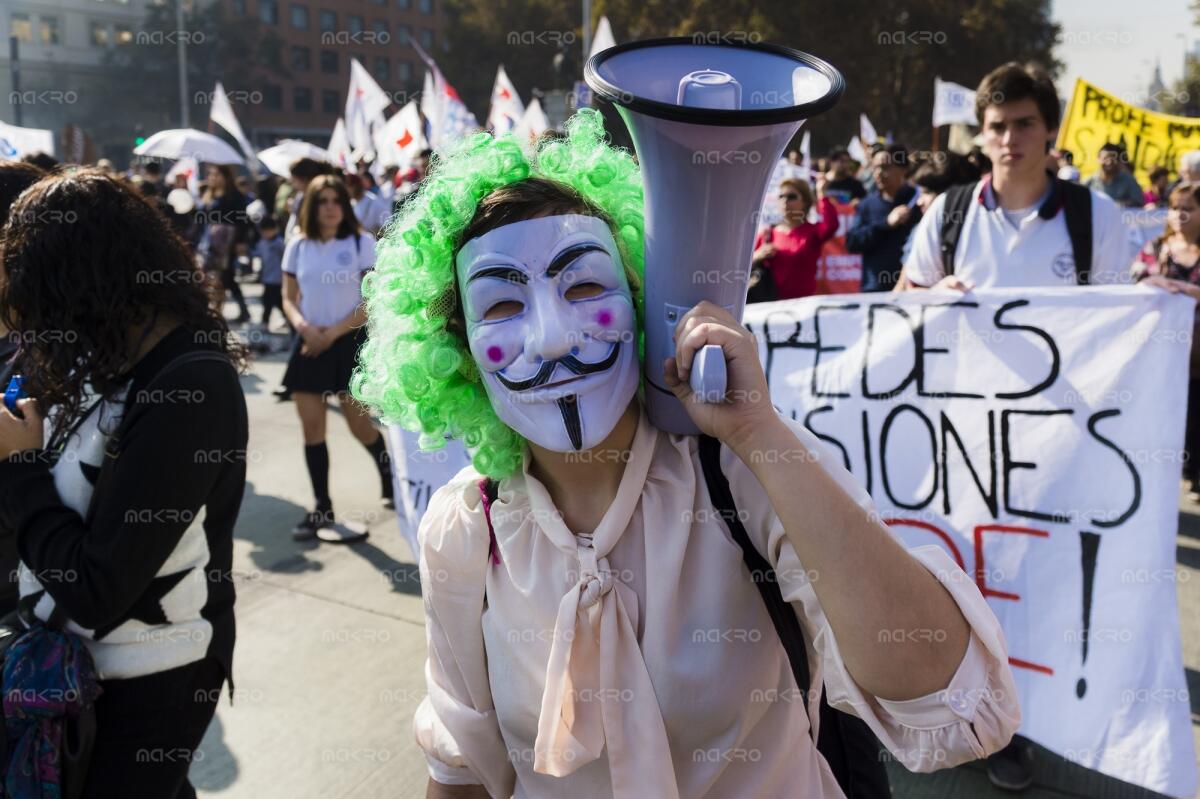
pixel 48 30
pixel 426 6
pixel 301 59
pixel 21 27
pixel 268 11
pixel 301 98
pixel 404 4
pixel 380 2
pixel 380 27
pixel 354 24
pixel 329 62
pixel 403 33
pixel 272 97
pixel 382 68
pixel 427 38
pixel 100 35
pixel 404 70
pixel 328 21
pixel 239 7
pixel 329 101
pixel 299 16
pixel 124 35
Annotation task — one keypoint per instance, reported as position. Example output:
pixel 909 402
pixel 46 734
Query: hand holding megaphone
pixel 708 327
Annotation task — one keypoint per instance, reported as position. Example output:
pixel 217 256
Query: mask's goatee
pixel 568 406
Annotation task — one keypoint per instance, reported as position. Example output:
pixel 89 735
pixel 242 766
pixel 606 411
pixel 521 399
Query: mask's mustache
pixel 570 362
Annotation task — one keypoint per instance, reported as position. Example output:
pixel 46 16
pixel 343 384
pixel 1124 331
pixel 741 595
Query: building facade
pixel 319 38
pixel 66 76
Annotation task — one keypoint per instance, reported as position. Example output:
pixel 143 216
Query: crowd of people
pixel 111 283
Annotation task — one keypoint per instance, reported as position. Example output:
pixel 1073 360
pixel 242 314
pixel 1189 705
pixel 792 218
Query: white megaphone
pixel 708 122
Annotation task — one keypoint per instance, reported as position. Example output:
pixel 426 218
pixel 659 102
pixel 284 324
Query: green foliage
pixel 889 54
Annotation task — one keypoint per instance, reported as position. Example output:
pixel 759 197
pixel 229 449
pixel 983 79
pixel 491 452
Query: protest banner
pixel 1095 117
pixel 1036 436
pixel 839 271
pixel 416 475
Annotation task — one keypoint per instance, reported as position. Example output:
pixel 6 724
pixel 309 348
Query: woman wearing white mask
pixel 593 629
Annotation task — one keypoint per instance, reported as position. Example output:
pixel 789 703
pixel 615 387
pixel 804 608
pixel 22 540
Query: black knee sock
pixel 317 458
pixel 383 461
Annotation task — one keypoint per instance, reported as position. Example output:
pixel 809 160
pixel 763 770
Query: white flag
pixel 401 138
pixel 16 142
pixel 866 131
pixel 952 104
pixel 339 146
pixel 365 104
pixel 190 171
pixel 534 123
pixel 507 108
pixel 221 113
pixel 856 151
pixel 449 117
pixel 603 38
pixel 431 109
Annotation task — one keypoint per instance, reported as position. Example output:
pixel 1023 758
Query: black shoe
pixel 313 520
pixel 389 503
pixel 1012 767
pixel 283 395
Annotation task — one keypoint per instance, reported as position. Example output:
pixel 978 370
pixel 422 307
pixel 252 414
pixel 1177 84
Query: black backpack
pixel 1077 206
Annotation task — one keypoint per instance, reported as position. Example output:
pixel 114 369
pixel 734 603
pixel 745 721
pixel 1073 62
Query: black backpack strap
pixel 1077 207
pixel 954 215
pixel 848 745
pixel 112 447
pixel 787 626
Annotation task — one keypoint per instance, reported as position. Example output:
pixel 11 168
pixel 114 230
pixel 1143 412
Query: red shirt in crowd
pixel 794 264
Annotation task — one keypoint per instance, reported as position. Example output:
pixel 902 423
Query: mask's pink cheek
pixel 495 354
pixel 605 317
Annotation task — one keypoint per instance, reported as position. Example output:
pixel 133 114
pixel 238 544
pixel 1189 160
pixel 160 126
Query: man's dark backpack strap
pixel 954 215
pixel 1077 207
pixel 845 741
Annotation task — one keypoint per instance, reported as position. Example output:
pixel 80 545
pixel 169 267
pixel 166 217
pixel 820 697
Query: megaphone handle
pixel 708 378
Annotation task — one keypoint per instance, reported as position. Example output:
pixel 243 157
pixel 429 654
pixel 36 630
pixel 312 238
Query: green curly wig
pixel 413 370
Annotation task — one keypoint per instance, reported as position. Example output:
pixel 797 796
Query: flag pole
pixel 937 138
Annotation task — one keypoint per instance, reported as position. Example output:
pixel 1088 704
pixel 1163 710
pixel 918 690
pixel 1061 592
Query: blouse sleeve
pixel 455 725
pixel 973 716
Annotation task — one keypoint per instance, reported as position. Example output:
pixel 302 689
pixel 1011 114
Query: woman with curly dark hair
pixel 124 513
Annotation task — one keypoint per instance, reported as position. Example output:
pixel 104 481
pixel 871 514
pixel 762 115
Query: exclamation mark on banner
pixel 1089 545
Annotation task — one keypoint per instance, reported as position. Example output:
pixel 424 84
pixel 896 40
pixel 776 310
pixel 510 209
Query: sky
pixel 1115 44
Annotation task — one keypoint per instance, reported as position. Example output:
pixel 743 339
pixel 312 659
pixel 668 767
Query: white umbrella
pixel 189 143
pixel 280 158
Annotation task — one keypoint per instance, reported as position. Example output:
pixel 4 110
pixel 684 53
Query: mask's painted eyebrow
pixel 509 273
pixel 564 258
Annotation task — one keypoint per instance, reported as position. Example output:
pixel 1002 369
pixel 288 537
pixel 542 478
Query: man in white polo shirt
pixel 1014 229
pixel 1019 226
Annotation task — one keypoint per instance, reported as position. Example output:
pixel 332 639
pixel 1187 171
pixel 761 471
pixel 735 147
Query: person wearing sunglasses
pixel 323 268
pixel 786 254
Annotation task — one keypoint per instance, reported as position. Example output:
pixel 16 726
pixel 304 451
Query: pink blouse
pixel 640 661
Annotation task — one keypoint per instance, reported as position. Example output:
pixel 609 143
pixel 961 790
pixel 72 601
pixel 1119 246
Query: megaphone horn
pixel 708 123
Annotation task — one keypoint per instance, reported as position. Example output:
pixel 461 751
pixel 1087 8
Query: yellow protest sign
pixel 1095 117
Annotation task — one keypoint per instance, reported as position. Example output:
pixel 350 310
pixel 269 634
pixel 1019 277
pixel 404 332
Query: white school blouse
pixel 642 662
